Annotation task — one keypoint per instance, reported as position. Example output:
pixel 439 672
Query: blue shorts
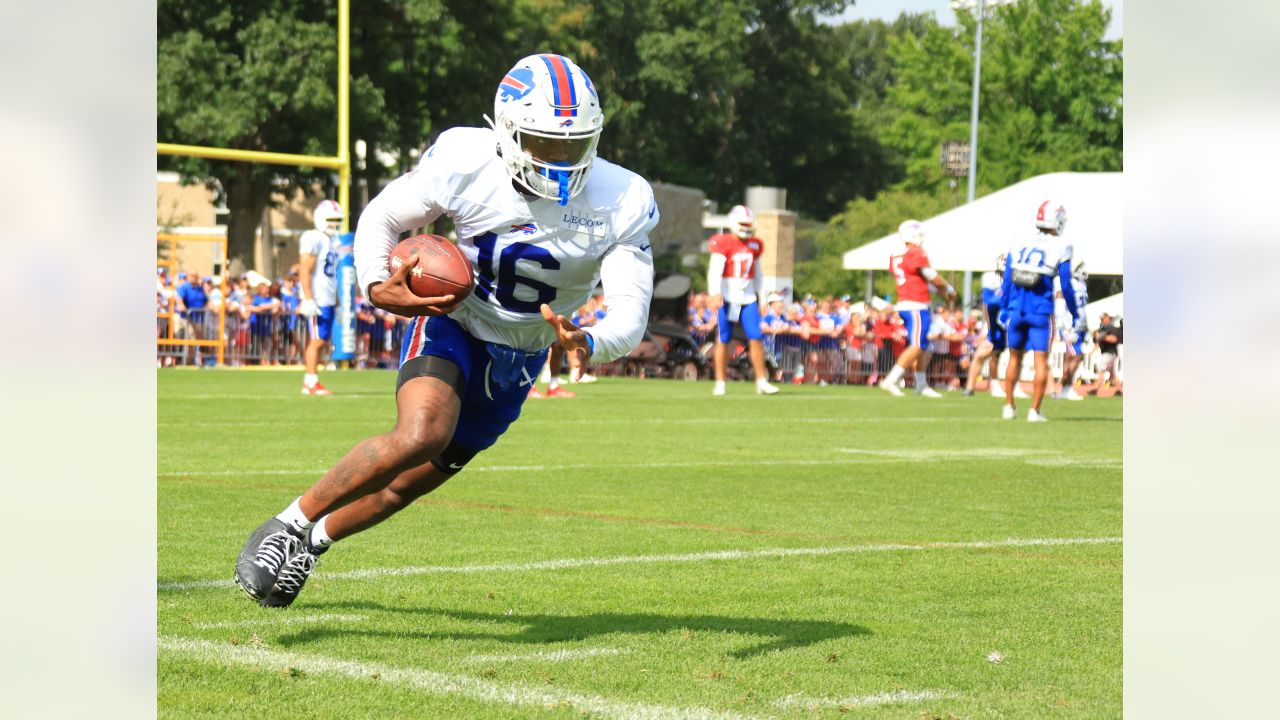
pixel 489 405
pixel 748 318
pixel 917 322
pixel 320 325
pixel 995 333
pixel 1030 332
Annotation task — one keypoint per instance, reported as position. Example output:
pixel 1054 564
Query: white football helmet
pixel 1079 273
pixel 327 212
pixel 742 221
pixel 911 232
pixel 548 119
pixel 1051 216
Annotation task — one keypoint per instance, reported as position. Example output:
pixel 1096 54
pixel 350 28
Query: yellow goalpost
pixel 340 162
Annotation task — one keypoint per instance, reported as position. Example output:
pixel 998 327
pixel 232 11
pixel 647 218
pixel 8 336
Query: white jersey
pixel 324 280
pixel 524 251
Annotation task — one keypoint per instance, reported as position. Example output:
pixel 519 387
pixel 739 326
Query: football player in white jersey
pixel 542 220
pixel 1072 334
pixel 318 265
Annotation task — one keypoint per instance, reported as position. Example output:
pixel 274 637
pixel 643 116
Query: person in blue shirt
pixel 994 344
pixel 1029 290
pixel 194 300
pixel 263 309
pixel 774 327
pixel 290 298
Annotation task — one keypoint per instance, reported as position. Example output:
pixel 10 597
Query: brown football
pixel 442 269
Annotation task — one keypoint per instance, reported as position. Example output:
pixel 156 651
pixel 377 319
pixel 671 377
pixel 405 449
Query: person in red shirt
pixel 913 276
pixel 735 288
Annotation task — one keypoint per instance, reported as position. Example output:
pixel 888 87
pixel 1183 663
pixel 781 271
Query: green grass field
pixel 648 551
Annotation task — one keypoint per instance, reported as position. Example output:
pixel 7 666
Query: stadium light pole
pixel 981 7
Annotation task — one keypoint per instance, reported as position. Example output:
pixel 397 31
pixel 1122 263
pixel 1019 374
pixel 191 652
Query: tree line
pixel 849 118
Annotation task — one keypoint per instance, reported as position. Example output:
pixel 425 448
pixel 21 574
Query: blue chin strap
pixel 561 177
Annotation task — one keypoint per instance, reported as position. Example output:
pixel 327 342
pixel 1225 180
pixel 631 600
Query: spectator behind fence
pixel 702 320
pixel 263 309
pixel 290 297
pixel 774 326
pixel 194 300
pixel 1109 337
pixel 885 328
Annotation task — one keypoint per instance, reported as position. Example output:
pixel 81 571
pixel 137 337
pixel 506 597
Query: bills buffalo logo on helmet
pixel 516 84
pixel 527 228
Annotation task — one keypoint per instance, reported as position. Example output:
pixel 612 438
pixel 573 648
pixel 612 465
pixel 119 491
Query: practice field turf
pixel 648 551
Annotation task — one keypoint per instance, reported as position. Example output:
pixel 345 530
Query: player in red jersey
pixel 913 275
pixel 736 290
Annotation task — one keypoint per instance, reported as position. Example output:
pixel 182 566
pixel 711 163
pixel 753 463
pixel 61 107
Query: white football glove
pixel 308 308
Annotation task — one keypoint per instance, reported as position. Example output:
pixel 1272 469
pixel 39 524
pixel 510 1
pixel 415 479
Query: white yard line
pixel 884 698
pixel 567 563
pixel 862 457
pixel 281 619
pixel 772 421
pixel 430 682
pixel 545 655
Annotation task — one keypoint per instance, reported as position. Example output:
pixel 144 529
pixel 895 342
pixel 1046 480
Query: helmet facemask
pixel 328 217
pixel 742 221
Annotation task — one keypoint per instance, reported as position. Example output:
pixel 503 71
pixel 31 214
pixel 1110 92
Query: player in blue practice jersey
pixel 1029 287
pixel 542 220
pixel 994 344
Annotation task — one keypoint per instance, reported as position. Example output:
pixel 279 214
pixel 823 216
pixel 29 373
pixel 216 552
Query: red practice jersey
pixel 912 285
pixel 739 266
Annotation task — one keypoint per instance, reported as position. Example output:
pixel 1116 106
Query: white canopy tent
pixel 971 236
pixel 1113 306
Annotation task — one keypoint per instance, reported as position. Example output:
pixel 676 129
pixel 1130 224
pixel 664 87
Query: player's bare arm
pixel 568 336
pixel 395 296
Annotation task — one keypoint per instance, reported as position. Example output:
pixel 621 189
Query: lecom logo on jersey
pixel 590 223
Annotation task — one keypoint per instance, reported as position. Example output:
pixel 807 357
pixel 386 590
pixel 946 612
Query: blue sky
pixel 890 9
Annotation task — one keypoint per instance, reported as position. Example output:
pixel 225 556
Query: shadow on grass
pixel 546 629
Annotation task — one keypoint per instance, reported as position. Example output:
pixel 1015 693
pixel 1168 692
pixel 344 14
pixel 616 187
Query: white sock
pixel 310 379
pixel 553 383
pixel 294 517
pixel 761 382
pixel 922 381
pixel 894 375
pixel 319 537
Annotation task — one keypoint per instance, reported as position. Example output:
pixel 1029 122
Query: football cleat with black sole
pixel 264 557
pixel 292 578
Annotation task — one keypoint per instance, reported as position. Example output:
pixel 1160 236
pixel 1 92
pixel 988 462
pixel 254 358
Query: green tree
pixel 250 76
pixel 1051 95
pixel 862 221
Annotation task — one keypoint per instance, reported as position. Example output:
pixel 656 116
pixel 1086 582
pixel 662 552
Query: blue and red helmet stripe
pixel 564 94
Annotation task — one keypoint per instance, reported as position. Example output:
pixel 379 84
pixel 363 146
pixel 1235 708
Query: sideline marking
pixel 565 563
pixel 431 682
pixel 884 698
pixel 545 655
pixel 296 620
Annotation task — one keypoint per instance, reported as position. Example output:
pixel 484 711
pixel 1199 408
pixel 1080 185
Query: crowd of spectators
pixel 834 340
pixel 261 324
pixel 828 340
